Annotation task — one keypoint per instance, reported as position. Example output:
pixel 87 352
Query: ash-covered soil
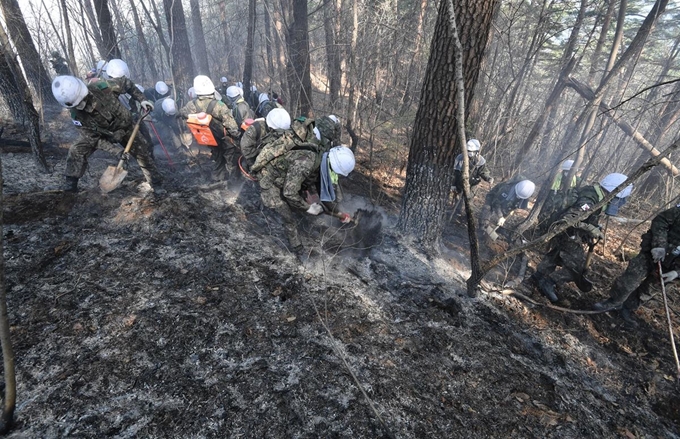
pixel 185 316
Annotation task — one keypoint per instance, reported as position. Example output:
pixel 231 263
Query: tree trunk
pixel 299 78
pixel 150 59
pixel 435 140
pixel 109 41
pixel 200 48
pixel 36 73
pixel 352 76
pixel 23 99
pixel 69 39
pixel 331 20
pixel 250 46
pixel 268 37
pixel 7 353
pixel 181 64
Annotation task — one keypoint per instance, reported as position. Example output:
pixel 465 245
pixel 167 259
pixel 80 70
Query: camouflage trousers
pixel 225 160
pixel 272 198
pixel 564 252
pixel 635 281
pixel 79 152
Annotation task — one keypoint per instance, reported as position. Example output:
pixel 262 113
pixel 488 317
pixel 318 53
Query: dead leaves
pixel 545 415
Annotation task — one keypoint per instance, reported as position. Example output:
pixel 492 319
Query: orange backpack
pixel 204 127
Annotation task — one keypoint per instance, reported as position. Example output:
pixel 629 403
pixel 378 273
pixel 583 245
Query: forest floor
pixel 183 315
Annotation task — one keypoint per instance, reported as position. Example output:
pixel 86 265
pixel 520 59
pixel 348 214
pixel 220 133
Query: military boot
pixel 628 317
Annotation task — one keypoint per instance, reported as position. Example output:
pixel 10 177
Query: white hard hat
pixel 612 181
pixel 263 97
pixel 473 145
pixel 203 85
pixel 139 87
pixel 69 91
pixel 317 133
pixel 278 119
pixel 334 118
pixel 233 91
pixel 567 164
pixel 240 91
pixel 117 68
pixel 169 106
pixel 253 88
pixel 342 160
pixel 161 88
pixel 192 93
pixel 524 189
pixel 224 79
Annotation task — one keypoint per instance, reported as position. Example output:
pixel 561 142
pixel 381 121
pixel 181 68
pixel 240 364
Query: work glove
pixel 669 277
pixel 315 209
pixel 147 106
pixel 491 180
pixel 658 254
pixel 345 218
pixel 501 221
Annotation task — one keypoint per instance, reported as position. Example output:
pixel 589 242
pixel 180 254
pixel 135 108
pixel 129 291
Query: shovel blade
pixel 112 178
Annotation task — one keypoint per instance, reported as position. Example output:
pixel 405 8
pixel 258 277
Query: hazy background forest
pixel 367 61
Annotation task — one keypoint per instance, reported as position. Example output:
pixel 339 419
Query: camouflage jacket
pixel 478 171
pixel 289 172
pixel 103 114
pixel 665 230
pixel 252 138
pixel 220 112
pixel 502 198
pixel 121 86
pixel 588 196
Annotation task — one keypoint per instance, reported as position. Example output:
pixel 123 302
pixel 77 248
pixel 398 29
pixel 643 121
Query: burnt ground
pixel 184 316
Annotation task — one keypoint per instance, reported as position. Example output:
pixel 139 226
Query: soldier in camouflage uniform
pixel 477 166
pixel 283 168
pixel 225 154
pixel 251 141
pixel 240 109
pixel 658 244
pixel 566 249
pixel 501 201
pixel 104 124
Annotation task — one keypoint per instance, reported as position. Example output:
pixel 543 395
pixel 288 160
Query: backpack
pixel 208 130
pixel 278 142
pixel 265 107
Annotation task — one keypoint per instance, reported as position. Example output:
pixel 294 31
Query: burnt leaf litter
pixel 184 315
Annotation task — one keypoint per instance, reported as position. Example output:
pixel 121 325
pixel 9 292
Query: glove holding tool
pixel 313 200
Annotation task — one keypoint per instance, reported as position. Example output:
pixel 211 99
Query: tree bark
pixel 36 73
pixel 200 48
pixel 250 46
pixel 333 58
pixel 7 352
pixel 182 66
pixel 109 40
pixel 435 139
pixel 150 59
pixel 69 39
pixel 23 99
pixel 299 77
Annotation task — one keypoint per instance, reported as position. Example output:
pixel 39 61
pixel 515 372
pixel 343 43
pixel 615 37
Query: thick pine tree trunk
pixel 299 78
pixel 333 58
pixel 181 64
pixel 36 72
pixel 109 40
pixel 435 136
pixel 22 98
pixel 250 46
pixel 200 48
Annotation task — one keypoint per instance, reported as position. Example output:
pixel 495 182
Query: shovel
pixel 114 175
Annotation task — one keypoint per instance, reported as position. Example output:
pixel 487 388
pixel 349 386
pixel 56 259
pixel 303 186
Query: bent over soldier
pixel 659 244
pixel 104 124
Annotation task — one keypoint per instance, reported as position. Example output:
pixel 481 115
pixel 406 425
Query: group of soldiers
pixel 296 162
pixel 657 261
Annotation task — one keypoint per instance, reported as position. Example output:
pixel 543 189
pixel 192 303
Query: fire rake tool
pixel 670 323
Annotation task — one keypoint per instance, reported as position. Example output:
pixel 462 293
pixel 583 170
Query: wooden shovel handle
pixel 128 147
